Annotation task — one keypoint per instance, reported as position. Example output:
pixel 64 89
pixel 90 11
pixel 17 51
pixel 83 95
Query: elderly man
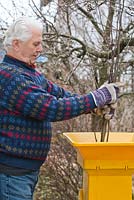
pixel 28 104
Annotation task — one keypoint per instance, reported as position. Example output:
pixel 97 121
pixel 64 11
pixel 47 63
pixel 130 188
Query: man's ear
pixel 16 44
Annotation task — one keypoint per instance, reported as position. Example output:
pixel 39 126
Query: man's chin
pixel 32 62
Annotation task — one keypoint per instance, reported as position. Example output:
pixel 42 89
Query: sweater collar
pixel 19 63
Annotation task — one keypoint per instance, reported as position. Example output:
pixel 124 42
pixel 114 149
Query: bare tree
pixel 91 41
pixel 87 44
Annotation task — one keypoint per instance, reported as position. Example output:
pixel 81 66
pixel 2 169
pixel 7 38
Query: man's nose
pixel 40 48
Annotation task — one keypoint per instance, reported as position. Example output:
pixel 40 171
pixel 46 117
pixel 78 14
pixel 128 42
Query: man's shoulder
pixel 10 68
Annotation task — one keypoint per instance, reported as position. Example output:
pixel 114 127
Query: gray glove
pixel 106 94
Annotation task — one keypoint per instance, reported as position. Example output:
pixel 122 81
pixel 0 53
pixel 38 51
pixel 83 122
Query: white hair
pixel 21 29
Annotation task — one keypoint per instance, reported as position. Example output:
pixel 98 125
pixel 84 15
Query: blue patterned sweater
pixel 28 104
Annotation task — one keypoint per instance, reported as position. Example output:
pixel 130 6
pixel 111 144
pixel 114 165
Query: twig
pixel 95 137
pixel 103 130
pixel 125 94
pixel 108 128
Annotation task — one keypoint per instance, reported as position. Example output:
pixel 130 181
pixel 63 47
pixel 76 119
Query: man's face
pixel 29 50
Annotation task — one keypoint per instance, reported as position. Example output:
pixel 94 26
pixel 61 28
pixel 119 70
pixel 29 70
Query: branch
pixel 125 42
pixel 110 18
pixel 126 94
pixel 83 48
pixel 40 15
pixel 68 21
pixel 72 71
pixel 44 2
pixel 91 18
pixel 129 27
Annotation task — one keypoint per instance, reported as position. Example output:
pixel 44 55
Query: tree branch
pixel 91 18
pixel 109 22
pixel 125 42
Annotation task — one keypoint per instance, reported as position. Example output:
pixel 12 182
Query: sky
pixel 12 9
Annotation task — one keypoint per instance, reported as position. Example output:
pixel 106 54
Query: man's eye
pixel 36 44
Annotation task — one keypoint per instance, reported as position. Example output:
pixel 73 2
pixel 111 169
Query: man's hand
pixel 106 94
pixel 107 111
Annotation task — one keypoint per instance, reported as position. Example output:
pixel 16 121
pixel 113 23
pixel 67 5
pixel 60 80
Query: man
pixel 28 104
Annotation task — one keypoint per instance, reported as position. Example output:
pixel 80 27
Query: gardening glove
pixel 106 94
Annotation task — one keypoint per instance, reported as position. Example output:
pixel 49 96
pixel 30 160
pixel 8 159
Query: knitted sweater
pixel 28 104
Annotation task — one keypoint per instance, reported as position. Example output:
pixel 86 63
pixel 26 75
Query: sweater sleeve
pixel 24 97
pixel 57 91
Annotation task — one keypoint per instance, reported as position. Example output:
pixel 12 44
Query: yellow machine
pixel 107 166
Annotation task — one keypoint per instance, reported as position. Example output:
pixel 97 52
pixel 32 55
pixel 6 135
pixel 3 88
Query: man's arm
pixel 25 97
pixel 57 91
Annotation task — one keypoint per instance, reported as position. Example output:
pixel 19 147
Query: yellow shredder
pixel 107 166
